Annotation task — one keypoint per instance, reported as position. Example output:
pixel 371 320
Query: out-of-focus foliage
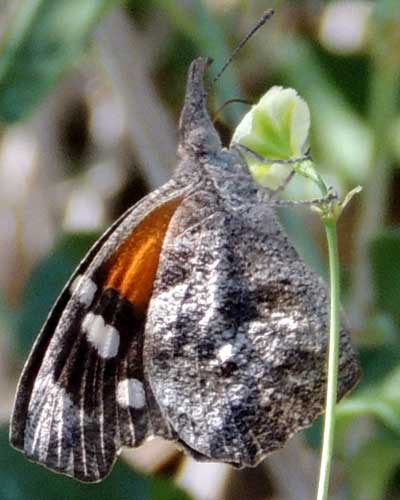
pixel 385 259
pixel 20 481
pixel 45 38
pixel 380 456
pixel 69 157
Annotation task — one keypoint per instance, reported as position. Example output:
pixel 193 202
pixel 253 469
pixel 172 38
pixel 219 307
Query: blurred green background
pixel 90 94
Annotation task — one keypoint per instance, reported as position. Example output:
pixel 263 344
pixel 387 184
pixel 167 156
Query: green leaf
pixel 382 401
pixel 385 258
pixel 348 197
pixel 370 471
pixel 45 284
pixel 380 330
pixel 45 38
pixel 20 479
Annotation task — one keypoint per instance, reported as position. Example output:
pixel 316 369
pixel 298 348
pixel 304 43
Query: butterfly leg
pixel 275 192
pixel 241 149
pixel 316 202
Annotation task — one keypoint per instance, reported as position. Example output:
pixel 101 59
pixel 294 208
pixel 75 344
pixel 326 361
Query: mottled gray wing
pixel 236 335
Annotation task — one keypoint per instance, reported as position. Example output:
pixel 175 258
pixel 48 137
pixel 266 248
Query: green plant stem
pixel 333 360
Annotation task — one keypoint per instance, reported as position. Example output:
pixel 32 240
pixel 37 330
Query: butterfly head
pixel 198 136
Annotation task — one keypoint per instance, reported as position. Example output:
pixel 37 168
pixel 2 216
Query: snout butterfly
pixel 192 318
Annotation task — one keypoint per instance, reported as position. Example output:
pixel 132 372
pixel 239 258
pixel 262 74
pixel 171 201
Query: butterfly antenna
pixel 263 19
pixel 226 103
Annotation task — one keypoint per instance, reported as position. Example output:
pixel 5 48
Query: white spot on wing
pixel 225 352
pixel 83 289
pixel 289 323
pixel 130 392
pixel 285 320
pixel 105 338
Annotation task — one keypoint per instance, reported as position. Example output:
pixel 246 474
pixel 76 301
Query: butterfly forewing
pixel 82 393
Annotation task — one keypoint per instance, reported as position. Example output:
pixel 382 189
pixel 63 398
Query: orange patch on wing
pixel 134 267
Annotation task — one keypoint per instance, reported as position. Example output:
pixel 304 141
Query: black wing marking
pixel 34 362
pixel 71 413
pixel 75 422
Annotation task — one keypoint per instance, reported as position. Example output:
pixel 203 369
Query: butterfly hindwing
pixel 82 393
pixel 236 334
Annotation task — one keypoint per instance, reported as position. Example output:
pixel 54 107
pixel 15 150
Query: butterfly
pixel 192 318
